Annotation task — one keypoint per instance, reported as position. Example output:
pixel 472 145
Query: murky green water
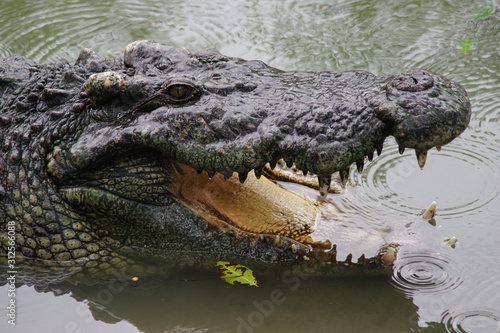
pixel 434 288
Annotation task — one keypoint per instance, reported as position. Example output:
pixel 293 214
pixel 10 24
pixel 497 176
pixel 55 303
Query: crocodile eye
pixel 181 92
pixel 178 91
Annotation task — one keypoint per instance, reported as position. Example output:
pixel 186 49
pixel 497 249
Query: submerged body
pixel 159 156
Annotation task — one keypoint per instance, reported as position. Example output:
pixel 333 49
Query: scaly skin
pixel 97 157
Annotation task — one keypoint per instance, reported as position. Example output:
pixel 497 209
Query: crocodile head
pixel 167 153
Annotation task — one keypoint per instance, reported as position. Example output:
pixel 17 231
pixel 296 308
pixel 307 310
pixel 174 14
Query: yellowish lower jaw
pixel 255 207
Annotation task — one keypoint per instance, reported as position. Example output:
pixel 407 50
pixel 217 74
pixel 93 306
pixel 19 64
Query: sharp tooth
pixel 429 213
pixel 389 256
pixel 258 172
pixel 348 259
pixel 360 165
pixel 438 148
pixel 199 171
pixel 324 186
pixel 211 174
pixel 304 172
pixel 452 241
pixel 289 163
pixel 379 149
pixel 370 156
pixel 344 177
pixel 272 165
pixel 242 176
pixel 421 158
pixel 227 175
pixel 401 150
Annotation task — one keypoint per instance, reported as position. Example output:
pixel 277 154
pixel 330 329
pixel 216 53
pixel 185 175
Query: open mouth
pixel 253 205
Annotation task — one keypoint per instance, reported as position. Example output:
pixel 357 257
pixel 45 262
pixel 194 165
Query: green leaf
pixel 236 273
pixel 484 12
pixel 465 46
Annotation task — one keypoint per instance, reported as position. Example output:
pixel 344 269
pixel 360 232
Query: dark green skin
pixel 84 172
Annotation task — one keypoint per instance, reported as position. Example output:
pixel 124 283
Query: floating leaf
pixel 484 12
pixel 236 273
pixel 465 46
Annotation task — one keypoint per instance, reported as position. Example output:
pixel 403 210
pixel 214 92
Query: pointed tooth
pixel 227 176
pixel 370 156
pixel 304 172
pixel 272 165
pixel 324 186
pixel 199 171
pixel 389 256
pixel 344 176
pixel 360 165
pixel 258 172
pixel 429 212
pixel 401 150
pixel 348 259
pixel 421 158
pixel 289 163
pixel 452 241
pixel 242 176
pixel 211 174
pixel 438 148
pixel 379 148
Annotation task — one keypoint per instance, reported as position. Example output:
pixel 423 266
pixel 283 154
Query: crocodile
pixel 171 156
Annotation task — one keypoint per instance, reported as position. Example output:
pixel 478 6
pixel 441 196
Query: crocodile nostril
pixel 413 80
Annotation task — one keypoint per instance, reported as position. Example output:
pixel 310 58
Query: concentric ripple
pixel 45 32
pixel 463 178
pixel 426 272
pixel 61 30
pixel 472 321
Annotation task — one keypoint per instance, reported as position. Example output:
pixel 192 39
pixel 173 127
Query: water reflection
pixel 289 301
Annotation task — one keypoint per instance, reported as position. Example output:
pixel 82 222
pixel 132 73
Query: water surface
pixel 433 288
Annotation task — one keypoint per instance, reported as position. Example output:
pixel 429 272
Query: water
pixel 433 288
